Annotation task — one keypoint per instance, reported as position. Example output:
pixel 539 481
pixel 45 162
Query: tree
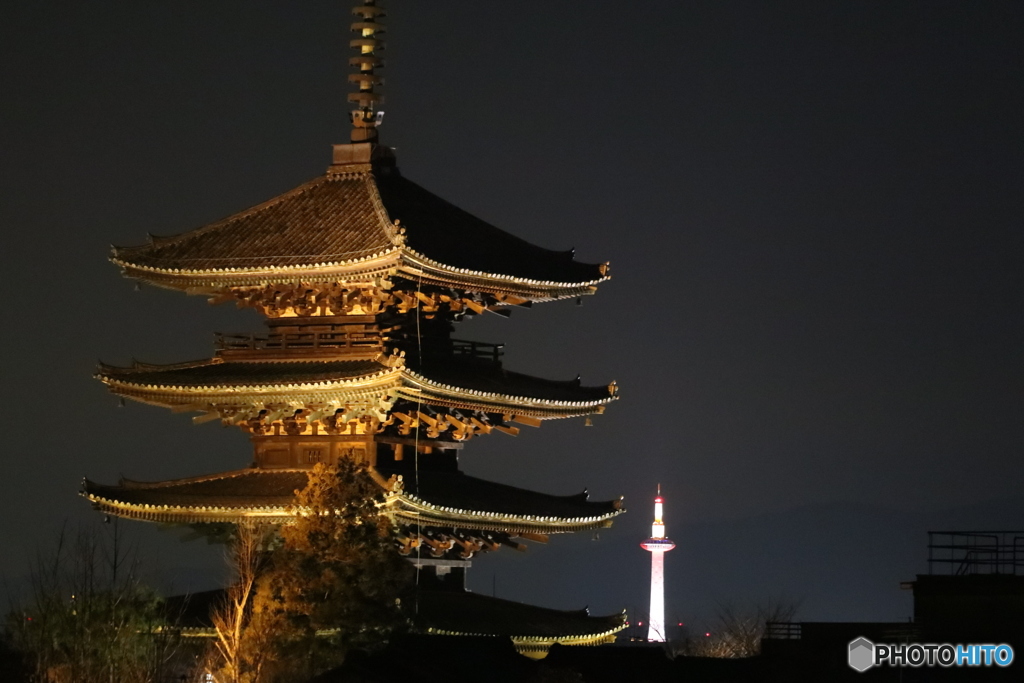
pixel 337 579
pixel 244 629
pixel 332 582
pixel 89 617
pixel 739 633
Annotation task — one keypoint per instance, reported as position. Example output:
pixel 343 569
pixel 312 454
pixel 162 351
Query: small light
pixel 707 635
pixel 639 623
pixel 680 623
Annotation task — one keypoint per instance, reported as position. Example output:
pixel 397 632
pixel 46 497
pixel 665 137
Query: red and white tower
pixel 658 545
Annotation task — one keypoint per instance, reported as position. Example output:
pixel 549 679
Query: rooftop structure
pixel 976 552
pixel 361 276
pixel 973 593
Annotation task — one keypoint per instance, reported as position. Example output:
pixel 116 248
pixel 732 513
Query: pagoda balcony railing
pixel 315 340
pixel 462 348
pixel 304 341
pixel 438 346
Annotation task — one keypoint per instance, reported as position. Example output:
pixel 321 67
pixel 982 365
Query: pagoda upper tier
pixel 361 226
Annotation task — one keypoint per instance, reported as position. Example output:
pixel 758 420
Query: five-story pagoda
pixel 361 275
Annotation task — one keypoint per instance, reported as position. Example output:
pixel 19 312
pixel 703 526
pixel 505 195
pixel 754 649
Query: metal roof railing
pixel 961 553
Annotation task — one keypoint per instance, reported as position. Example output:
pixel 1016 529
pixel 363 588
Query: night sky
pixel 813 212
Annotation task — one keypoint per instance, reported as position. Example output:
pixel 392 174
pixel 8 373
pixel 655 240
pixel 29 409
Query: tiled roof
pixel 445 233
pixel 330 219
pixel 266 489
pixel 342 219
pixel 458 491
pixel 492 378
pixel 451 612
pixel 214 373
pixel 466 379
pixel 473 614
pixel 240 489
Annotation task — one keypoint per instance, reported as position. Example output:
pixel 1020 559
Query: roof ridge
pixel 391 229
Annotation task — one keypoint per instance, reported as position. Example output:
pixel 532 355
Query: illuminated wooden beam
pixel 536 538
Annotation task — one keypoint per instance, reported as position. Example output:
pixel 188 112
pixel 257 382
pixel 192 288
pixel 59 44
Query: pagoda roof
pixel 492 379
pixel 456 490
pixel 227 492
pixel 454 383
pixel 456 613
pixel 214 373
pixel 443 498
pixel 470 614
pixel 358 222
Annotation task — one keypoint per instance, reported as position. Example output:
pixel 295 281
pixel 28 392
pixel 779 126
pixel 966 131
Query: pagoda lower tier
pixel 451 610
pixel 533 630
pixel 439 514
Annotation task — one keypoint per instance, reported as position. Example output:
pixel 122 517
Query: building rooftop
pixel 451 498
pixel 458 613
pixel 455 382
pixel 466 613
pixel 360 220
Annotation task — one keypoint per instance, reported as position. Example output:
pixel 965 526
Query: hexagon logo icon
pixel 862 654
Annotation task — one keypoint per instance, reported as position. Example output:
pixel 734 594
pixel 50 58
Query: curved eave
pixel 523 643
pixel 390 261
pixel 191 514
pixel 411 508
pixel 401 382
pixel 403 506
pixel 417 387
pixel 423 268
pixel 432 516
pixel 529 643
pixel 360 271
pixel 168 395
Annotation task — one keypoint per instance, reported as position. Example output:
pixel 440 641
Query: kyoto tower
pixel 658 545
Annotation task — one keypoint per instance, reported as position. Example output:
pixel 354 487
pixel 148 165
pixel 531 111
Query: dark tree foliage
pixel 89 617
pixel 334 581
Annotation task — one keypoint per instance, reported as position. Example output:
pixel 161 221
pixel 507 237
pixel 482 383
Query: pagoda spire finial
pixel 366 117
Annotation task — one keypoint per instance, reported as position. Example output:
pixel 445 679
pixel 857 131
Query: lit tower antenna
pixel 366 117
pixel 658 545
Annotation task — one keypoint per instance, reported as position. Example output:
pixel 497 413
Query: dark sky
pixel 813 212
